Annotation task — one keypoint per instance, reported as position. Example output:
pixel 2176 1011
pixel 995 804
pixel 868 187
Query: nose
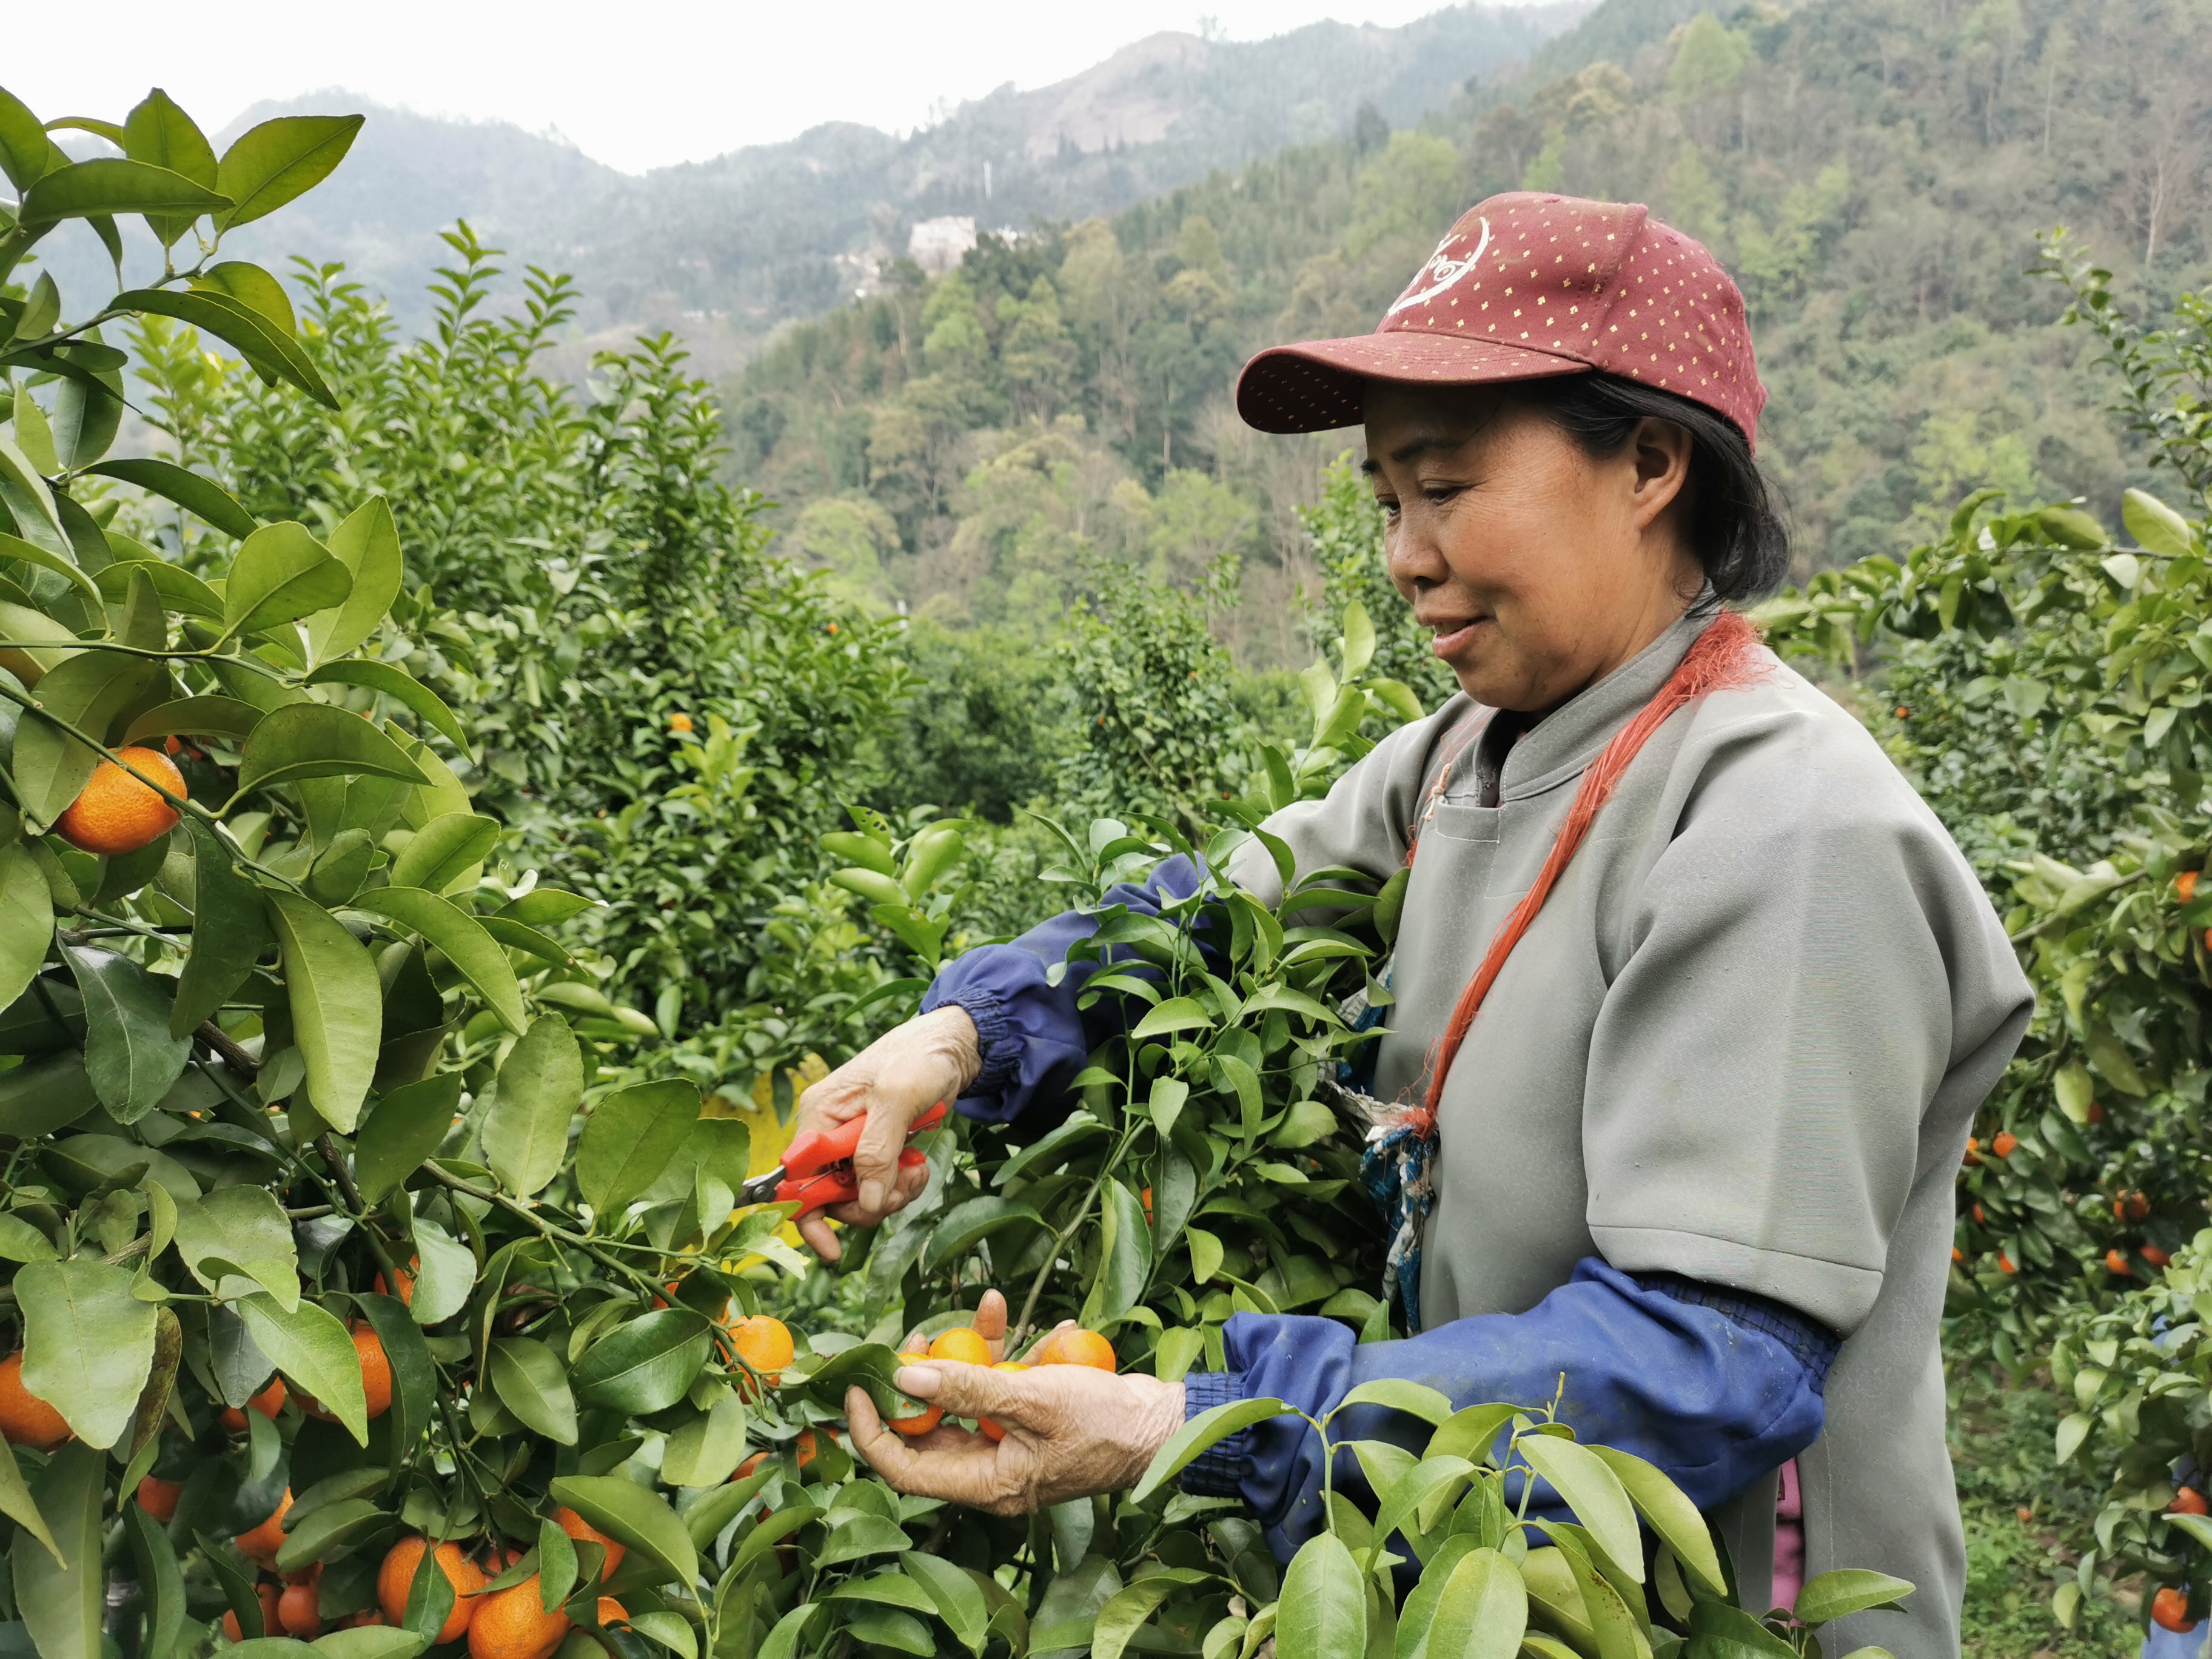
pixel 1412 553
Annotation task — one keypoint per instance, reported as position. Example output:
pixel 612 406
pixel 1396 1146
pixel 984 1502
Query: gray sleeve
pixel 1364 821
pixel 1811 968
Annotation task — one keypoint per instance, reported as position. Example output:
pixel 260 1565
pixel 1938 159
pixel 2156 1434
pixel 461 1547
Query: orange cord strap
pixel 1722 656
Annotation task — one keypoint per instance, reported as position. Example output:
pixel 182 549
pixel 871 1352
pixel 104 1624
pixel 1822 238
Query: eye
pixel 1389 504
pixel 1437 494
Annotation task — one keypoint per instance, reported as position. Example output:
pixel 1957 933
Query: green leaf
pixel 1322 1614
pixel 18 1505
pixel 230 931
pixel 1848 1590
pixel 1175 1014
pixel 252 287
pixel 194 717
pixel 112 183
pixel 414 1377
pixel 337 1002
pixel 88 691
pixel 327 1531
pixel 271 352
pixel 280 574
pixel 1125 1257
pixel 161 135
pixel 646 1365
pixel 1483 1613
pixel 88 1347
pixel 62 1603
pixel 624 1510
pixel 540 1088
pixel 629 1138
pixel 1669 1513
pixel 88 413
pixel 443 850
pixel 1126 1611
pixel 532 1383
pixel 318 740
pixel 1594 1492
pixel 367 544
pixel 783 1640
pixel 14 547
pixel 966 1225
pixel 1427 1477
pixel 860 1537
pixel 705 1450
pixel 556 1565
pixel 400 686
pixel 447 1274
pixel 1416 1399
pixel 462 938
pixel 26 152
pixel 2156 527
pixel 311 1348
pixel 241 1227
pixel 129 1054
pixel 161 1580
pixel 271 163
pixel 1183 1447
pixel 1723 1631
pixel 372 1642
pixel 27 921
pixel 195 494
pixel 958 1602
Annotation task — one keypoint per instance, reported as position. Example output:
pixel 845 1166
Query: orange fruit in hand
pixel 299 1612
pixel 962 1345
pixel 2116 1260
pixel 376 1377
pixel 2169 1610
pixel 2005 1141
pixel 396 1577
pixel 268 1402
pixel 2187 1501
pixel 271 1600
pixel 25 1418
pixel 576 1526
pixel 406 1281
pixel 992 1430
pixel 922 1421
pixel 116 812
pixel 513 1624
pixel 264 1540
pixel 159 1498
pixel 1077 1346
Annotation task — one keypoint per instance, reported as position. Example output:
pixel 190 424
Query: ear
pixel 1661 452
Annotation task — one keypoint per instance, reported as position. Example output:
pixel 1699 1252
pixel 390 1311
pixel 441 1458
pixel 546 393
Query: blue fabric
pixel 1032 1035
pixel 1397 1173
pixel 1709 1398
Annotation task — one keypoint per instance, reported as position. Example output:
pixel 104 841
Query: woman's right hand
pixel 894 1079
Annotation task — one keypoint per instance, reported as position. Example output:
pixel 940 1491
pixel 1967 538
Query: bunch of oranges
pixel 962 1345
pixel 502 1623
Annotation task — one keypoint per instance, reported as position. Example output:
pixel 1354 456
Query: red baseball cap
pixel 1527 286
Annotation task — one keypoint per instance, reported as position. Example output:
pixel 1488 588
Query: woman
pixel 1693 1073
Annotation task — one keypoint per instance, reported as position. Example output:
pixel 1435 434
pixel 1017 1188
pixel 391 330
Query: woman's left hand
pixel 1071 1431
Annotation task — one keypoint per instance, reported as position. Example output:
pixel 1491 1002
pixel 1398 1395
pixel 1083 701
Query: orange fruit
pixel 765 1345
pixel 1145 1198
pixel 576 1526
pixel 268 1402
pixel 2169 1610
pixel 159 1498
pixel 961 1345
pixel 679 722
pixel 922 1421
pixel 2187 1501
pixel 2138 1207
pixel 1957 1254
pixel 2096 1111
pixel 513 1624
pixel 2184 885
pixel 2116 1260
pixel 116 812
pixel 2005 1263
pixel 1077 1346
pixel 376 1377
pixel 806 1446
pixel 611 1611
pixel 2005 1141
pixel 2156 1257
pixel 25 1418
pixel 271 1600
pixel 749 1465
pixel 298 1612
pixel 992 1430
pixel 264 1540
pixel 406 1282
pixel 1980 1217
pixel 396 1577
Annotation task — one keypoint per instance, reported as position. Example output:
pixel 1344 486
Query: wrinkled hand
pixel 1071 1431
pixel 894 1079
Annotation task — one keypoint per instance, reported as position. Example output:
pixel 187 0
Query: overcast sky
pixel 635 85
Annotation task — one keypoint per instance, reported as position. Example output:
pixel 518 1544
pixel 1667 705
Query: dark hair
pixel 1732 516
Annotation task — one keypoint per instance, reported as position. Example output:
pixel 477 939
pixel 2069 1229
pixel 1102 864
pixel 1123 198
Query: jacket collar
pixel 1561 746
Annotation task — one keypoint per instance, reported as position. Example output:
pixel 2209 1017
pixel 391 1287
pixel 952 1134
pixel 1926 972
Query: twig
pixel 227 1049
pixel 544 1228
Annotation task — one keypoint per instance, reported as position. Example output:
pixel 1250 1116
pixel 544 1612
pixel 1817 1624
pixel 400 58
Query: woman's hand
pixel 894 1079
pixel 1071 1431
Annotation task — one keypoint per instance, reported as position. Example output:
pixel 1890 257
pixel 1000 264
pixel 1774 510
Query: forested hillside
pixel 1875 173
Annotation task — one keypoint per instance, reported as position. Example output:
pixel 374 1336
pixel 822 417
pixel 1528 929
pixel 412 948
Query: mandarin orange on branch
pixel 262 1542
pixel 513 1624
pixel 268 1402
pixel 576 1526
pixel 396 1577
pixel 117 812
pixel 26 1419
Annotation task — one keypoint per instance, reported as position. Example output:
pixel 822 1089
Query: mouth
pixel 1453 634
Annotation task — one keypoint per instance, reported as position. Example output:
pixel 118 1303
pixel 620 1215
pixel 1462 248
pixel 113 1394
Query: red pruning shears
pixel 816 1170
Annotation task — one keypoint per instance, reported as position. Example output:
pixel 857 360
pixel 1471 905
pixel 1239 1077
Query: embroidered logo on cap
pixel 1441 272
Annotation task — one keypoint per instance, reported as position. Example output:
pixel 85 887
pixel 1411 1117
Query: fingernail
pixel 919 1381
pixel 872 1195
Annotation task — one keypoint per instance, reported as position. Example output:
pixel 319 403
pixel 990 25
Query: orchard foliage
pixel 2045 683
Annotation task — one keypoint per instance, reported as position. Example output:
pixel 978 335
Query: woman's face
pixel 1538 569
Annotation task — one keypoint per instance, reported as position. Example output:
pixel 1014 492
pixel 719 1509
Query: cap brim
pixel 1320 385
